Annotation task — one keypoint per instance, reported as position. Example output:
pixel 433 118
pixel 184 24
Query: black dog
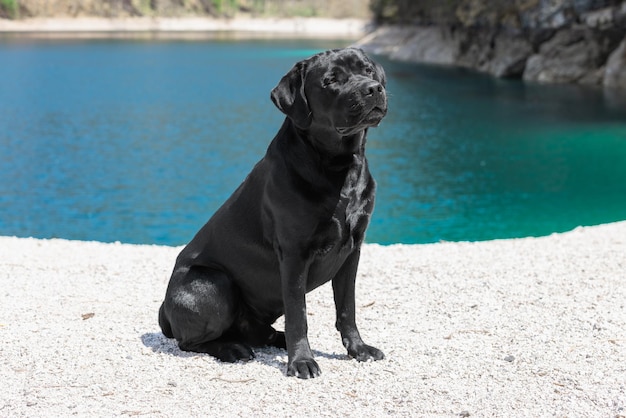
pixel 296 222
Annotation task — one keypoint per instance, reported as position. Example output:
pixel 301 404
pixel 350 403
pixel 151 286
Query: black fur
pixel 295 223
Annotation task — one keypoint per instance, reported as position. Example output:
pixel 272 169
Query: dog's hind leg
pixel 199 310
pixel 164 323
pixel 258 333
pixel 223 349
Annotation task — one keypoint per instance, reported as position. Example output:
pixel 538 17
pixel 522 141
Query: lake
pixel 140 141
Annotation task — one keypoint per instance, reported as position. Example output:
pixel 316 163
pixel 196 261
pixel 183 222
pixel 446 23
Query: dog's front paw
pixel 365 352
pixel 305 368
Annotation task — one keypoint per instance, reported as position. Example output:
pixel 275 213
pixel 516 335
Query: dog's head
pixel 342 89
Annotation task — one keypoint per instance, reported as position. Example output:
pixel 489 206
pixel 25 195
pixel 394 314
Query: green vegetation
pixel 15 9
pixel 282 8
pixel 414 10
pixel 144 7
pixel 9 9
pixel 225 7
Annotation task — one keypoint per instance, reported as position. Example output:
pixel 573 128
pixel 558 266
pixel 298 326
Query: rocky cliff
pixel 562 41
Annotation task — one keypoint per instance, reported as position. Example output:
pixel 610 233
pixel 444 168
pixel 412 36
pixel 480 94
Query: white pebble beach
pixel 523 327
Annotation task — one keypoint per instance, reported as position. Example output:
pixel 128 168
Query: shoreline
pixel 519 327
pixel 173 27
pixel 557 59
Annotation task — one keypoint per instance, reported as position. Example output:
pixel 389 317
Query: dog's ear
pixel 289 96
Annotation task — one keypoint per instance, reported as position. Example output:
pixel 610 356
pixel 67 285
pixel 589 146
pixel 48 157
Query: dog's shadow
pixel 160 344
pixel 270 356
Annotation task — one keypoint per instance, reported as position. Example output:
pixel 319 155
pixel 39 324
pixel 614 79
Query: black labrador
pixel 296 222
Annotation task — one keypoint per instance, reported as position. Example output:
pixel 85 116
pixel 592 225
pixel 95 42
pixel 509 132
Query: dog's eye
pixel 329 80
pixel 369 70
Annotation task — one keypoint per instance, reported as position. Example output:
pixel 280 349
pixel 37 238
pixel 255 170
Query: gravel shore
pixel 526 327
pixel 296 27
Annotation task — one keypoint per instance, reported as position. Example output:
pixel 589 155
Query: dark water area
pixel 141 141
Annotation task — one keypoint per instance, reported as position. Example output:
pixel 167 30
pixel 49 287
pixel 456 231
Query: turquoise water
pixel 140 141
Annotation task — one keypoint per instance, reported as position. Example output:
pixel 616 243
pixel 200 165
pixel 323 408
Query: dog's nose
pixel 372 87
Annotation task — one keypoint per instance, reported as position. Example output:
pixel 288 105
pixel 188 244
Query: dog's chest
pixel 344 230
pixel 350 217
pixel 357 197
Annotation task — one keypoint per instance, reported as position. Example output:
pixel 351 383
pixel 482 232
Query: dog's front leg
pixel 344 293
pixel 294 271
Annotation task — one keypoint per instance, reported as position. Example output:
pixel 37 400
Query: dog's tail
pixel 166 328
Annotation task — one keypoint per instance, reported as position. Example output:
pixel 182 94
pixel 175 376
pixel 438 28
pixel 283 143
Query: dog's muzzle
pixel 373 108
